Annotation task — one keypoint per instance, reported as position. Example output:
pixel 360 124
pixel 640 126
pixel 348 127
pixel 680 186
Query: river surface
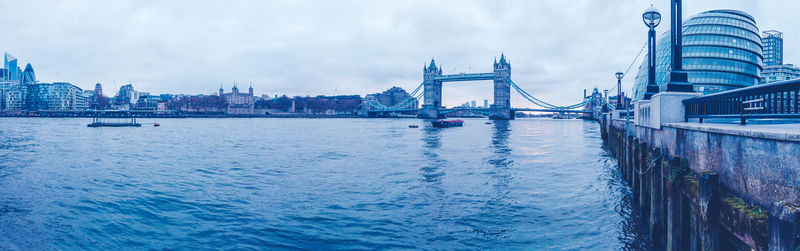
pixel 311 184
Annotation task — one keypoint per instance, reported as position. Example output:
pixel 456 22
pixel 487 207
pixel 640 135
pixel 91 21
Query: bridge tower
pixel 501 109
pixel 433 92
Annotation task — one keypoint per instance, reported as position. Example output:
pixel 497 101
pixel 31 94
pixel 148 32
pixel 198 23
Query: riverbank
pixel 152 115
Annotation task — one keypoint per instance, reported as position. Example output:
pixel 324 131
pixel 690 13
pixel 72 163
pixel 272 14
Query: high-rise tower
pixel 772 41
pixel 28 76
pixel 10 64
pixel 98 90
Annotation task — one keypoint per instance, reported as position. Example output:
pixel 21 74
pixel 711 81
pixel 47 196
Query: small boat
pixel 156 124
pixel 488 123
pixel 447 123
pixel 413 126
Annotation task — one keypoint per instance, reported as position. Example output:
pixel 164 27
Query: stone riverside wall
pixel 687 202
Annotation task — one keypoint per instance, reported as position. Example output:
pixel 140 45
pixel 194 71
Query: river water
pixel 311 184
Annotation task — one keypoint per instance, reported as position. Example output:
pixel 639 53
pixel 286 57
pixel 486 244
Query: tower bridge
pixel 431 92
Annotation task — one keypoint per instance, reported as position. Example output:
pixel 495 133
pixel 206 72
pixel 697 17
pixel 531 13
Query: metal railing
pixel 776 100
pixel 626 114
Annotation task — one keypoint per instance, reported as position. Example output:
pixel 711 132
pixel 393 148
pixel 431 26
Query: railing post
pixel 741 110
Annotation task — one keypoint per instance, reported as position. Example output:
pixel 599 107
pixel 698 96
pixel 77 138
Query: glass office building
pixel 772 41
pixel 721 51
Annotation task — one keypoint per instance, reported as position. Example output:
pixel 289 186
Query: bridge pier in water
pixel 429 112
pixel 432 92
pixel 432 86
pixel 501 109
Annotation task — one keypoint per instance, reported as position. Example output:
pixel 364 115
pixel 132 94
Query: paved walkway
pixel 786 132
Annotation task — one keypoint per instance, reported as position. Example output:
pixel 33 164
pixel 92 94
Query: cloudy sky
pixel 557 48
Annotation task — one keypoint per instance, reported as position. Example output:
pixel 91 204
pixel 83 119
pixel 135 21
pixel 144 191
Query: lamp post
pixel 678 79
pixel 651 18
pixel 619 87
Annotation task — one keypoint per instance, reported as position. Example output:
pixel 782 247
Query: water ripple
pixel 340 184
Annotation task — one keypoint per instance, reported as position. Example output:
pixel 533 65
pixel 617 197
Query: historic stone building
pixel 236 102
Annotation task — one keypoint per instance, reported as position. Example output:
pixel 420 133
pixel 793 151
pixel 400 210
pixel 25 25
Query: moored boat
pixel 447 123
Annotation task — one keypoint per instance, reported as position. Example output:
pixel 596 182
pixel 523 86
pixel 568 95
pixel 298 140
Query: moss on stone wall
pixel 752 211
pixel 691 186
pixel 678 170
pixel 744 220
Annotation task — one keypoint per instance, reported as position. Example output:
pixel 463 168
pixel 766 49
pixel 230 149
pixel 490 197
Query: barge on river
pixel 447 123
pixel 114 122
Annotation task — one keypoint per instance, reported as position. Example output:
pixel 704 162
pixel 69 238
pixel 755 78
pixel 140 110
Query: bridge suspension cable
pixel 630 66
pixel 413 96
pixel 543 104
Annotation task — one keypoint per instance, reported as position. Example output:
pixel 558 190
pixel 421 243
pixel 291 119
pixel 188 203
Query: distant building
pixel 485 103
pixel 614 101
pixel 147 102
pixel 98 100
pixel 595 104
pixel 126 96
pixel 7 85
pixel 393 96
pixel 45 96
pixel 83 99
pixel 98 89
pixel 28 76
pixel 11 70
pixel 20 91
pixel 772 41
pixel 63 97
pixel 236 102
pixel 777 73
pixel 775 70
pixel 474 104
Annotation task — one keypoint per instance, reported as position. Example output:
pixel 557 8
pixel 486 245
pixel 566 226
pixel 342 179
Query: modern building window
pixel 722 50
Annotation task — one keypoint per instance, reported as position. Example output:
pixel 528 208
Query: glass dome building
pixel 721 51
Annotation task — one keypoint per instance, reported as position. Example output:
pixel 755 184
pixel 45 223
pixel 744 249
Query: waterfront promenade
pixel 710 186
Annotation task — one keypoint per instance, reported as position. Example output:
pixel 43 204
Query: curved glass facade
pixel 721 51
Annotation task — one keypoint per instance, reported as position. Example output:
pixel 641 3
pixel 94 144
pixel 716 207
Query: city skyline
pixel 309 48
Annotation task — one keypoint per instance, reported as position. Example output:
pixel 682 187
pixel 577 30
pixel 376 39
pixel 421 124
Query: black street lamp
pixel 619 87
pixel 651 18
pixel 678 79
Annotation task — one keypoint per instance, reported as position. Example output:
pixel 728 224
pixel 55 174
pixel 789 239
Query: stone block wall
pixel 688 206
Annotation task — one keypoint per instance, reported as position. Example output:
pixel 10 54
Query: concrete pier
pixel 709 186
pixel 501 114
pixel 429 112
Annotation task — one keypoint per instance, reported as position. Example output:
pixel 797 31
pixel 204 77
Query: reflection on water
pixel 338 184
pixel 431 171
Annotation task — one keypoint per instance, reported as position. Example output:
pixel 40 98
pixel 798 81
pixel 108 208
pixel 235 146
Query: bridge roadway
pixel 464 77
